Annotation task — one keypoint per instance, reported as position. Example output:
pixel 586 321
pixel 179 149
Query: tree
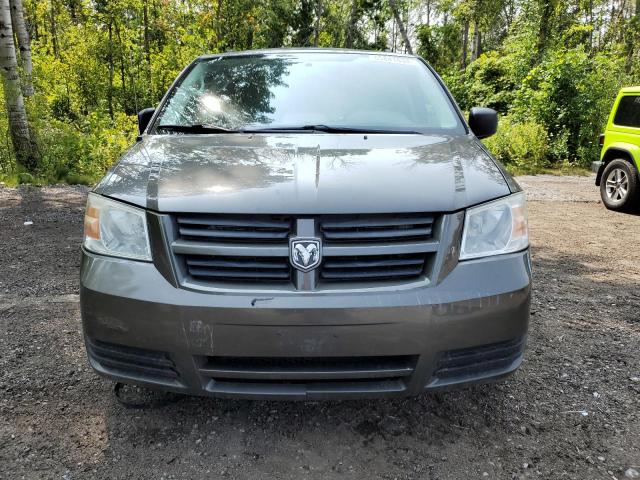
pixel 23 147
pixel 316 32
pixel 24 45
pixel 401 27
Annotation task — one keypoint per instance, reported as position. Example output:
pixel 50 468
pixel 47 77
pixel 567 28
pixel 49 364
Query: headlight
pixel 495 227
pixel 113 228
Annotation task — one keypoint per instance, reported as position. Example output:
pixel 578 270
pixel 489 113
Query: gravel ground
pixel 572 410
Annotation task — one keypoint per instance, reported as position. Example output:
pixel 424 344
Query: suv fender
pixel 627 151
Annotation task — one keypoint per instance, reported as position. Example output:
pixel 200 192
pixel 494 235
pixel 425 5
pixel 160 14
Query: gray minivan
pixel 305 224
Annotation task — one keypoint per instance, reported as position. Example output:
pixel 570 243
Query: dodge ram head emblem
pixel 305 253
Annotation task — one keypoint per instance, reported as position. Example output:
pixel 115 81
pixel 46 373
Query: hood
pixel 306 173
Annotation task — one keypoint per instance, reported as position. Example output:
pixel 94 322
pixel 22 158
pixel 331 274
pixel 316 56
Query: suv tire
pixel 619 187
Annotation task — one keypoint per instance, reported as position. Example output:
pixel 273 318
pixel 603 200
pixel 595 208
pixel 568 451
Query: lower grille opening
pixel 306 375
pixel 131 361
pixel 305 368
pixel 302 389
pixel 483 361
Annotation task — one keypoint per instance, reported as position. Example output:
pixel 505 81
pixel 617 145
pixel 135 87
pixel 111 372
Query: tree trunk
pixel 316 30
pixel 465 44
pixel 147 50
pixel 124 99
pixel 475 44
pixel 543 32
pixel 145 17
pixel 351 26
pixel 110 88
pixel 403 31
pixel 428 20
pixel 638 8
pixel 54 34
pixel 219 22
pixel 18 125
pixel 24 44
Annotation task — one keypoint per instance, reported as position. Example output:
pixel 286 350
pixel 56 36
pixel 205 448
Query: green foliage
pixel 489 81
pixel 550 67
pixel 571 93
pixel 522 145
pixel 98 63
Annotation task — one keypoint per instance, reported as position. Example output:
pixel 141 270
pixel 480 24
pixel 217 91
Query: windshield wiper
pixel 330 129
pixel 204 128
pixel 200 128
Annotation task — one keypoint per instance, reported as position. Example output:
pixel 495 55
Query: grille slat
pixel 238 274
pixel 377 223
pixel 239 269
pixel 233 234
pixel 225 228
pixel 377 228
pixel 371 274
pixel 237 222
pixel 393 262
pixel 373 268
pixel 224 263
pixel 373 234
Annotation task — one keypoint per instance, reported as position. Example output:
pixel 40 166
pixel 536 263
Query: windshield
pixel 294 90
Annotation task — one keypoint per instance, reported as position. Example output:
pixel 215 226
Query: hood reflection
pixel 305 173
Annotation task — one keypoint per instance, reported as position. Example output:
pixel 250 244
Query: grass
pixel 563 169
pixel 24 178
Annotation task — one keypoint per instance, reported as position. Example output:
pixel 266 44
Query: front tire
pixel 619 187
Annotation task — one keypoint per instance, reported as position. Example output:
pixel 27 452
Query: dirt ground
pixel 572 411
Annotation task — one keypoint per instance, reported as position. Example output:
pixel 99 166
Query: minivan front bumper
pixel 469 327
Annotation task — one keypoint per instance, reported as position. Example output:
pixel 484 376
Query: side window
pixel 628 114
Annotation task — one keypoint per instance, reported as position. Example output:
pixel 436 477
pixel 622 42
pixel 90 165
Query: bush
pixel 83 152
pixel 524 145
pixel 570 93
pixel 487 82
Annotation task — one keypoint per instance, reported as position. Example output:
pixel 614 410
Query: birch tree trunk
pixel 24 45
pixel 403 31
pixel 316 30
pixel 465 44
pixel 475 43
pixel 18 125
pixel 351 26
pixel 53 26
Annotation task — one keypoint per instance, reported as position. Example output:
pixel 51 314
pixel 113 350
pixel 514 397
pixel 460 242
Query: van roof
pixel 630 90
pixel 276 51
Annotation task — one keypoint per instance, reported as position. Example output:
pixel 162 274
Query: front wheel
pixel 619 187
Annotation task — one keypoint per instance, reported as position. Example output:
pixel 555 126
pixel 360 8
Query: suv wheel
pixel 619 187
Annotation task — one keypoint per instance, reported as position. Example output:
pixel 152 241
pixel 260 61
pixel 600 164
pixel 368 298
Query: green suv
pixel 617 170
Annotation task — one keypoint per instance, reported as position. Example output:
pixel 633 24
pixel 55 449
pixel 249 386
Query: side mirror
pixel 144 117
pixel 483 121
